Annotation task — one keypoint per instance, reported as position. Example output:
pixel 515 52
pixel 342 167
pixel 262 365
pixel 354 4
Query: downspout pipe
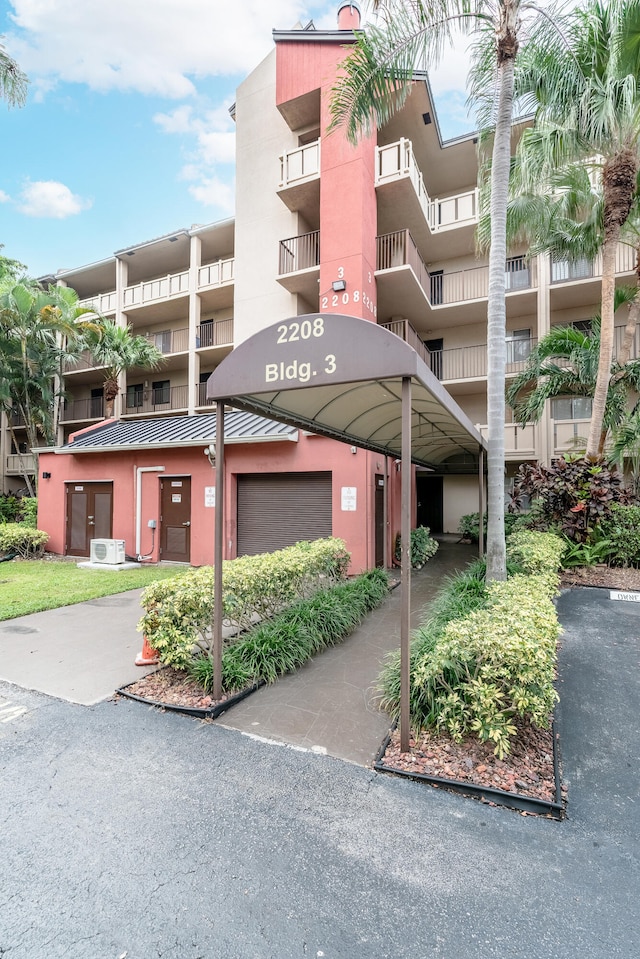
pixel 139 471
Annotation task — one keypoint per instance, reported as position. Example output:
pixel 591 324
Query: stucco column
pixel 544 429
pixel 122 279
pixel 194 322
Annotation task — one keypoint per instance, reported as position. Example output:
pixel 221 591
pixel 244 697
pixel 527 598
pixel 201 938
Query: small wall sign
pixel 209 496
pixel 349 499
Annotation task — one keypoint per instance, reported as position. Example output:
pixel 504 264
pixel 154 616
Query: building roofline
pixel 170 444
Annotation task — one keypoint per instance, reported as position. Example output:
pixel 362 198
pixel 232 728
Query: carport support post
pixel 405 575
pixel 217 554
pixel 481 502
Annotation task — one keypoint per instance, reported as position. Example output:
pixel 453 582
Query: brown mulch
pixel 526 770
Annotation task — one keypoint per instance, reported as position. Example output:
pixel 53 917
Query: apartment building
pixel 383 231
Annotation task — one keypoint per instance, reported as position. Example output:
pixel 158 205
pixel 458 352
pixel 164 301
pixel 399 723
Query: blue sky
pixel 126 134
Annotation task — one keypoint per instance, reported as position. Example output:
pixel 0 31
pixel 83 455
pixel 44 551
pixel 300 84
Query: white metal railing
pixel 563 271
pixel 217 274
pixel 300 164
pixel 406 332
pixel 520 440
pixel 214 333
pixel 20 463
pixel 162 288
pixel 101 302
pixel 397 160
pixel 299 253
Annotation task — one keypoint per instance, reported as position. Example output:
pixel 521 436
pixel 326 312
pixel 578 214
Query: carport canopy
pixel 351 380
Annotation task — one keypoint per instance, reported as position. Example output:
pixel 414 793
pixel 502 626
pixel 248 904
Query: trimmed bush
pixel 423 547
pixel 9 508
pixel 285 642
pixel 178 611
pixel 22 539
pixel 28 511
pixel 469 525
pixel 486 653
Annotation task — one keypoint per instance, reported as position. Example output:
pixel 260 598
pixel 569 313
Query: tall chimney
pixel 348 16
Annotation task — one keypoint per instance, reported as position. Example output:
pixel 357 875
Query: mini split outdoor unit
pixel 109 551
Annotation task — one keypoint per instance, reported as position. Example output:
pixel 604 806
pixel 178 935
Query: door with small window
pixel 175 519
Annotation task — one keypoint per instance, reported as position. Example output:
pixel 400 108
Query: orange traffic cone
pixel 148 656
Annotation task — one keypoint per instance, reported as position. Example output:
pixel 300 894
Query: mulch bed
pixel 170 687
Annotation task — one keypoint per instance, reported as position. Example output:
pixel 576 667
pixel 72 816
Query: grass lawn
pixel 34 585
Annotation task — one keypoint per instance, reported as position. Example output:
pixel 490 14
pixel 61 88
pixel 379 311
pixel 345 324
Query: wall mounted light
pixel 46 476
pixel 354 450
pixel 338 285
pixel 426 119
pixel 210 453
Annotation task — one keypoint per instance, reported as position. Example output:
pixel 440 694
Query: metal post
pixel 217 555
pixel 405 575
pixel 386 561
pixel 481 502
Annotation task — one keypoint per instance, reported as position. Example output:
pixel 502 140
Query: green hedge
pixel 22 539
pixel 178 611
pixel 285 642
pixel 423 547
pixel 487 652
pixel 622 532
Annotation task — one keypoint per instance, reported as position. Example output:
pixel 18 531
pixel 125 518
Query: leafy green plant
pixel 23 540
pixel 423 547
pixel 573 494
pixel 28 511
pixel 178 613
pixel 285 642
pixel 587 554
pixel 469 525
pixel 8 508
pixel 622 530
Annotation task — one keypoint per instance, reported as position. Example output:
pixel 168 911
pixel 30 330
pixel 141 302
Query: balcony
pixel 169 341
pixel 579 283
pixel 403 194
pixel 299 264
pixel 570 436
pixel 152 291
pixel 162 400
pixel 406 332
pixel 519 441
pixel 216 274
pixel 90 408
pixel 201 395
pixel 17 464
pixel 406 286
pixel 300 179
pixel 101 302
pixel 214 333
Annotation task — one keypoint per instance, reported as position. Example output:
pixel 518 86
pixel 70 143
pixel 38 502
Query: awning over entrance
pixel 341 377
pixel 351 380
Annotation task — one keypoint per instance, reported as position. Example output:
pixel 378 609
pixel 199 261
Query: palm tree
pixel 377 77
pixel 13 82
pixel 39 333
pixel 116 349
pixel 584 84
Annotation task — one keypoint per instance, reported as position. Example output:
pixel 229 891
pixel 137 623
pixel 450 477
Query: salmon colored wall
pixel 308 454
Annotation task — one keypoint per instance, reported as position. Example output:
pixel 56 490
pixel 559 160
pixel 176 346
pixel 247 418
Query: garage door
pixel 279 509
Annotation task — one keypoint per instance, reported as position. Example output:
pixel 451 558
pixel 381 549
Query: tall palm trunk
pixel 619 182
pixel 496 310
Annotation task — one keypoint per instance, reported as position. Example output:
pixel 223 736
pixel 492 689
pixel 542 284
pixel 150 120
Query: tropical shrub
pixel 293 636
pixel 23 540
pixel 469 525
pixel 9 507
pixel 423 547
pixel 573 494
pixel 179 611
pixel 486 653
pixel 28 511
pixel 622 530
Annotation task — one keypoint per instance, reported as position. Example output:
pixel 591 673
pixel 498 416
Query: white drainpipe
pixel 139 471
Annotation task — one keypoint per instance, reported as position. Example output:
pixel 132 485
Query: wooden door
pixel 89 515
pixel 175 519
pixel 379 520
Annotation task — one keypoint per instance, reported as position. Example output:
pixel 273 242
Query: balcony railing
pixel 217 274
pixel 563 271
pixel 159 400
pixel 406 332
pixel 519 441
pixel 20 463
pixel 101 302
pixel 216 333
pixel 570 435
pixel 162 288
pixel 201 395
pixel 396 161
pixel 299 253
pixel 470 362
pixel 300 164
pixel 169 341
pixel 443 289
pixel 91 408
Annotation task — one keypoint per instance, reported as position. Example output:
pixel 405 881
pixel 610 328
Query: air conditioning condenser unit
pixel 108 551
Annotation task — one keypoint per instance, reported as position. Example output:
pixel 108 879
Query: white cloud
pixel 4 197
pixel 214 192
pixel 158 47
pixel 48 198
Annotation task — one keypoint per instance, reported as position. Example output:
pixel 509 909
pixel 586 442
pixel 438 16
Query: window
pixel 571 408
pixel 518 346
pixel 135 396
pixel 161 340
pixel 161 392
